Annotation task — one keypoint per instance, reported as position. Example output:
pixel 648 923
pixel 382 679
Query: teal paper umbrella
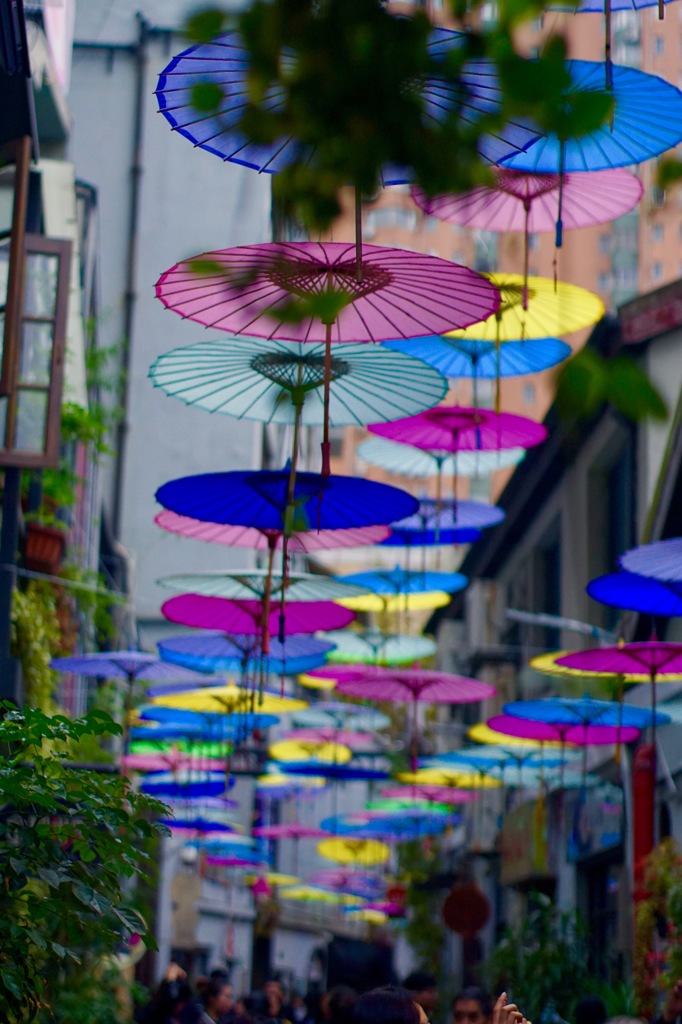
pixel 405 460
pixel 372 647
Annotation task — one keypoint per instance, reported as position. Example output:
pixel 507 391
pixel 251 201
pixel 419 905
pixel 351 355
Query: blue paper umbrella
pixel 458 522
pixel 583 711
pixel 224 63
pixel 637 593
pixel 465 357
pixel 661 560
pixel 203 725
pixel 334 772
pixel 647 121
pixel 483 758
pixel 404 536
pixel 409 823
pixel 398 582
pixel 212 651
pixel 406 460
pixel 185 784
pixel 260 499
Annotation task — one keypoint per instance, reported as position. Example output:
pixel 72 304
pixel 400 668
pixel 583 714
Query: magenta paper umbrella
pixel 414 686
pixel 246 617
pixel 171 761
pixel 359 742
pixel 563 732
pixel 449 429
pixel 300 543
pixel 387 293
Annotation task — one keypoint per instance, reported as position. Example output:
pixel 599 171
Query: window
pixel 390 217
pixel 659 45
pixel 605 243
pixel 656 270
pixel 605 283
pixel 533 243
pixel 657 232
pixel 529 394
pixel 538 23
pixel 534 52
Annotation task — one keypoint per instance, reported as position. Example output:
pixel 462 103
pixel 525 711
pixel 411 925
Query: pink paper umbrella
pixel 294 831
pixel 432 794
pixel 459 428
pixel 171 761
pixel 519 201
pixel 359 742
pixel 414 686
pixel 245 617
pixel 385 293
pixel 300 543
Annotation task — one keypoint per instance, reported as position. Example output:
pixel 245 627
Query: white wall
pixel 190 202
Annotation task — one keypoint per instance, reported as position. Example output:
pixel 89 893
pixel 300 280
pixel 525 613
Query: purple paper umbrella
pixel 129 665
pixel 293 830
pixel 171 760
pixel 354 882
pixel 359 742
pixel 569 733
pixel 300 543
pixel 459 428
pixel 387 293
pixel 661 560
pixel 414 686
pixel 245 617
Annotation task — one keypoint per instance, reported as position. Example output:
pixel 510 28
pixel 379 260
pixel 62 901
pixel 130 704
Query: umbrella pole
pixel 559 229
pixel 498 320
pixel 265 614
pixel 127 711
pixel 526 207
pixel 607 44
pixel 326 448
pixel 654 759
pixel 358 235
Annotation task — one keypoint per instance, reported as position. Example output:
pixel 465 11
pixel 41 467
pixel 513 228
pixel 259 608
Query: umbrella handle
pixel 326 446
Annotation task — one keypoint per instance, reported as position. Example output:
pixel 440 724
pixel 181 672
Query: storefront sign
pixel 595 820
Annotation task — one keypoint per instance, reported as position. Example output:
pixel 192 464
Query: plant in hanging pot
pixel 45 543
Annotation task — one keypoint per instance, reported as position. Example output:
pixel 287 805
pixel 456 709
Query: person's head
pixel 337 1004
pixel 472 1006
pixel 590 1010
pixel 272 989
pixel 389 1005
pixel 217 997
pixel 422 987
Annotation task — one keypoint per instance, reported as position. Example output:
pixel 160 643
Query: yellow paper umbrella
pixel 228 700
pixel 554 309
pixel 279 780
pixel 319 682
pixel 455 778
pixel 273 878
pixel 482 733
pixel 307 750
pixel 348 850
pixel 369 915
pixel 547 663
pixel 316 894
pixel 380 603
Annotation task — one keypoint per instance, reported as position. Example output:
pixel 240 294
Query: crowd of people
pixel 415 1002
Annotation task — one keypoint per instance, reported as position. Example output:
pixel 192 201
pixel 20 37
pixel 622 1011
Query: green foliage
pixel 588 380
pixel 36 639
pixel 619 999
pixel 68 840
pixel 541 961
pixel 658 927
pixel 669 172
pixel 424 930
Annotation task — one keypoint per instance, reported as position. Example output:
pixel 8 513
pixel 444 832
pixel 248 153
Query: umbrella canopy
pixel 349 850
pixel 399 582
pixel 551 308
pixel 224 63
pixel 261 499
pixel 430 793
pixel 251 584
pixel 336 714
pixel 246 617
pixel 518 201
pixel 448 516
pixel 371 646
pixel 316 894
pixel 334 772
pixel 661 560
pixel 578 735
pixel 453 778
pixel 170 721
pixel 184 784
pixel 646 121
pixel 302 542
pixel 581 711
pixel 246 289
pixel 653 657
pixel 359 742
pixel 416 685
pixel 314 750
pixel 459 428
pixel 267 380
pixel 384 825
pixel 171 760
pixel 356 882
pixel 277 786
pixel 482 733
pixel 211 651
pixel 637 593
pixel 412 602
pixel 402 458
pixel 128 665
pixel 483 360
pixel 290 830
pixel 225 700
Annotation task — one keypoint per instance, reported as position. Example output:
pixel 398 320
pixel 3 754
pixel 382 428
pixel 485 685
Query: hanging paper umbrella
pixel 277 786
pixel 535 203
pixel 185 784
pixel 371 646
pixel 224 63
pixel 246 617
pixel 348 850
pixel 128 665
pixel 581 711
pixel 387 827
pixel 482 733
pixel 538 308
pixel 436 515
pixel 403 459
pixel 483 360
pixel 486 757
pixel 429 794
pixel 387 908
pixel 458 428
pixel 341 715
pixel 172 760
pixel 637 593
pixel 646 121
pixel 226 700
pixel 303 750
pixel 316 894
pixel 290 830
pixel 453 778
pixel 334 772
pixel 355 882
pixel 198 824
pixel 172 722
pixel 382 604
pixel 361 743
pixel 570 732
pixel 281 381
pixel 212 651
pixel 413 686
pixel 403 536
pixel 399 583
pixel 301 542
pixel 369 914
pixel 661 560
